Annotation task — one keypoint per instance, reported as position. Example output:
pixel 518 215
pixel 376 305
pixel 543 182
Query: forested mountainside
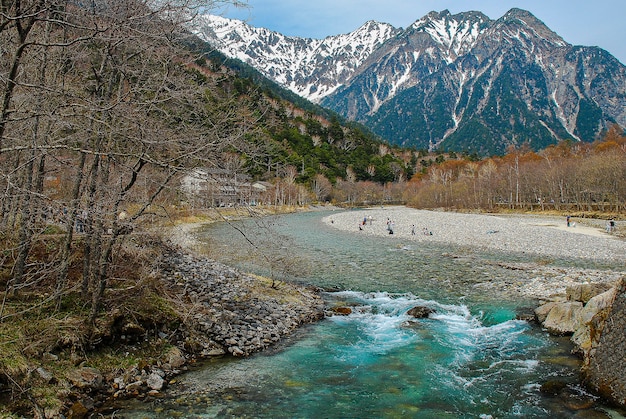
pixel 458 82
pixel 301 137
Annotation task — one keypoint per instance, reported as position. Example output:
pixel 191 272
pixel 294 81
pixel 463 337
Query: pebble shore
pixel 543 236
pixel 223 312
pixel 238 313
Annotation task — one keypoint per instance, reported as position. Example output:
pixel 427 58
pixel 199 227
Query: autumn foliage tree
pixel 567 176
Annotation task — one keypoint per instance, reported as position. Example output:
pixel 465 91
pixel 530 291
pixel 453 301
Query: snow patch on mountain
pixel 456 34
pixel 312 68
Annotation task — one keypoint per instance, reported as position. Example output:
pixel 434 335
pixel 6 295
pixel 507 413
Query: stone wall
pixel 605 366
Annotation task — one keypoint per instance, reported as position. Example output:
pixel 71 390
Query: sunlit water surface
pixel 470 359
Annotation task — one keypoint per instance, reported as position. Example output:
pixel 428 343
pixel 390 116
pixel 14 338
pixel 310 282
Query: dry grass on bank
pixel 39 344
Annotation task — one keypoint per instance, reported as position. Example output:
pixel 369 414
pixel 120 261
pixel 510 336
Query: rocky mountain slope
pixel 458 82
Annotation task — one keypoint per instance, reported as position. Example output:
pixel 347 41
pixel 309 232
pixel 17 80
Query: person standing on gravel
pixel 389 226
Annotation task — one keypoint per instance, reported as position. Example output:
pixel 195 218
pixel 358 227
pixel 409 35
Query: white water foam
pixel 476 354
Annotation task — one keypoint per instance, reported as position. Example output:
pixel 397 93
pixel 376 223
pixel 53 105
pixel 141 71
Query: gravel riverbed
pixel 542 236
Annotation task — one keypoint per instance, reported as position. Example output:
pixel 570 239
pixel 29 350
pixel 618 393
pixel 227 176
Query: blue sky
pixel 580 22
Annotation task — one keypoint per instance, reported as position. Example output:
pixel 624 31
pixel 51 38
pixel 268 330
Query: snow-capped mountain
pixel 462 82
pixel 312 68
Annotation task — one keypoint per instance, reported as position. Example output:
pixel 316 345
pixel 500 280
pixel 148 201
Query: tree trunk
pixel 90 231
pixel 25 228
pixel 67 245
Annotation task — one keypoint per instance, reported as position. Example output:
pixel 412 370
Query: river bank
pixel 185 307
pixel 337 365
pixel 545 237
pixel 177 308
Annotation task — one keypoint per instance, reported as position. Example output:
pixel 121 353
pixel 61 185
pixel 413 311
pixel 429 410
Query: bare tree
pixel 321 187
pixel 101 93
pixel 582 177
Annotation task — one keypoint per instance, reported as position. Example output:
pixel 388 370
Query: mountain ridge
pixel 460 82
pixel 297 59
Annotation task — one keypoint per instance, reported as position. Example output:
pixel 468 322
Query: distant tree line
pixel 569 176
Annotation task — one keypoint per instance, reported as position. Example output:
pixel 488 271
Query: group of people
pixel 425 231
pixel 364 222
pixel 610 225
pixel 391 226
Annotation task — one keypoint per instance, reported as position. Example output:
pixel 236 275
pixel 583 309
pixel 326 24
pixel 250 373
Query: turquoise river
pixel 470 359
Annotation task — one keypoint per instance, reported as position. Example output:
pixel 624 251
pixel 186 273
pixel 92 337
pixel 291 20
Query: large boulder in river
pixel 591 316
pixel 342 311
pixel 572 316
pixel 563 318
pixel 541 312
pixel 585 292
pixel 598 333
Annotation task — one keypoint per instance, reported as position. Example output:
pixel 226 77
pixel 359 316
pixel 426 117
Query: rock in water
pixel 420 312
pixel 563 319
